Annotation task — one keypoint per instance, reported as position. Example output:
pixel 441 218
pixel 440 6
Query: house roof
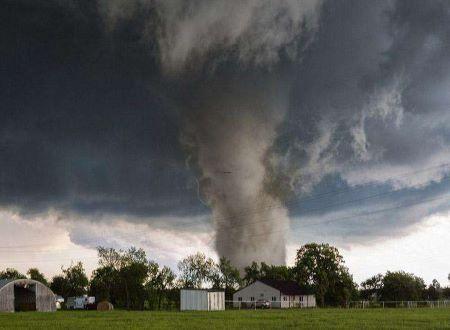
pixel 290 288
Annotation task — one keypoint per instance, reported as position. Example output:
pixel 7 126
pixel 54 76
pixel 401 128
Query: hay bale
pixel 105 306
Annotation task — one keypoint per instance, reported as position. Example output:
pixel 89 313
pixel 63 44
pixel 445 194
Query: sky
pixel 237 128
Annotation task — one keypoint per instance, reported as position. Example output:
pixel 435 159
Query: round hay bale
pixel 105 306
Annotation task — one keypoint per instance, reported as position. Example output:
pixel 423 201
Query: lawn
pixel 245 319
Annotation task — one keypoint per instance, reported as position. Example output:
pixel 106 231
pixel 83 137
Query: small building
pixel 26 295
pixel 202 300
pixel 275 293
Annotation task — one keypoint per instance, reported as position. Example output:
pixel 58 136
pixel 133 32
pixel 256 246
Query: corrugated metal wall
pixel 193 300
pixel 7 298
pixel 201 300
pixel 216 301
pixel 45 299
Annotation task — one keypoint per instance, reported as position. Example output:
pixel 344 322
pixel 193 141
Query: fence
pixel 399 304
pixel 243 304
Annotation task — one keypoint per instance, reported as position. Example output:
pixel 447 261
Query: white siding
pixel 310 301
pixel 257 291
pixel 193 300
pixel 302 301
pixel 216 301
pixel 201 300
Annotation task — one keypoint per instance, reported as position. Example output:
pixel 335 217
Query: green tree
pixel 160 282
pixel 59 286
pixel 446 292
pixel 434 291
pixel 264 271
pixel 274 272
pixel 252 273
pixel 76 280
pixel 103 284
pixel 195 270
pixel 320 267
pixel 133 273
pixel 225 276
pixel 36 275
pixel 11 274
pixel 400 285
pixel 371 288
pixel 121 277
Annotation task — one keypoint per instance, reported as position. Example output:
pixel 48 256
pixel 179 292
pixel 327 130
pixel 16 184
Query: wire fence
pixel 273 304
pixel 362 304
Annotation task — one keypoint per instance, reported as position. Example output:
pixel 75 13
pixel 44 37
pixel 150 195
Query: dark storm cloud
pixel 90 121
pixel 84 124
pixel 369 103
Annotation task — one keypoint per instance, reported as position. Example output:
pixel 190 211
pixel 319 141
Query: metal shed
pixel 26 295
pixel 202 300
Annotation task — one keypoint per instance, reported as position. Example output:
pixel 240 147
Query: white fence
pixel 244 304
pixel 399 304
pixel 362 304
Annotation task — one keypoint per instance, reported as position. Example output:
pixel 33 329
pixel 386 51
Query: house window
pixel 274 298
pixel 252 298
pixel 239 298
pixel 261 295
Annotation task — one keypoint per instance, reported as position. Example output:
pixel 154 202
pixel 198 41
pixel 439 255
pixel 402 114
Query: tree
pixel 273 272
pixel 320 267
pixel 225 276
pixel 434 291
pixel 11 274
pixel 103 284
pixel 76 280
pixel 264 271
pixel 400 285
pixel 36 275
pixel 160 281
pixel 59 285
pixel 133 274
pixel 446 292
pixel 121 277
pixel 195 270
pixel 371 288
pixel 252 273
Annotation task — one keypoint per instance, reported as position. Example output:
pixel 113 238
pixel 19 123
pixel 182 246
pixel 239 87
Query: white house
pixel 280 294
pixel 202 300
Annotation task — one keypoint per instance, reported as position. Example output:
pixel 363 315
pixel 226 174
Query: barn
pixel 274 294
pixel 26 295
pixel 202 300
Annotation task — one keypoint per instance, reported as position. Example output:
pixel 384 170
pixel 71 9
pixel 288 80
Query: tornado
pixel 229 136
pixel 223 60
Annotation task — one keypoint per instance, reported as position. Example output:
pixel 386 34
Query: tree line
pixel 129 279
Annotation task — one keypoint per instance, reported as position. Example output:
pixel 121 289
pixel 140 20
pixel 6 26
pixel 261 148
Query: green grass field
pixel 246 319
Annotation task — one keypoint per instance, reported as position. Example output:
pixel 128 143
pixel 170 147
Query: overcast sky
pixel 116 116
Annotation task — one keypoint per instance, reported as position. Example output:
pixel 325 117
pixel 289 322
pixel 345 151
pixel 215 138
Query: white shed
pixel 202 300
pixel 274 294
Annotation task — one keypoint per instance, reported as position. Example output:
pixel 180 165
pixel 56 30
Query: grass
pixel 420 318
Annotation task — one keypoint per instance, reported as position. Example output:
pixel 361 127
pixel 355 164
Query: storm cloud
pixel 104 104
